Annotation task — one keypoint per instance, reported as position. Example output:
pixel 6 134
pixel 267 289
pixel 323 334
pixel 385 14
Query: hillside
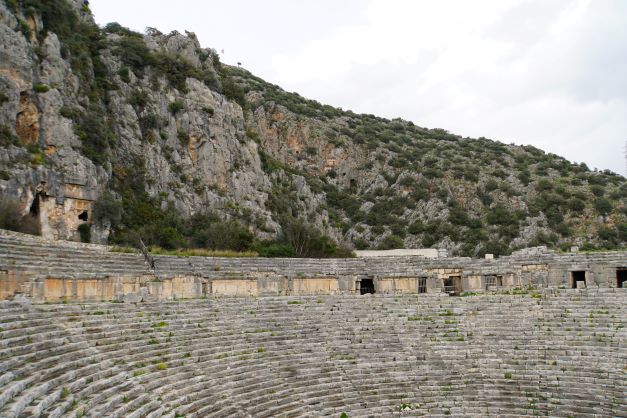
pixel 107 134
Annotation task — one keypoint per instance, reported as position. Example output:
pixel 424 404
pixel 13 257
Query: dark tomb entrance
pixel 621 278
pixel 30 222
pixel 578 276
pixel 422 285
pixel 83 216
pixel 366 286
pixel 453 285
pixel 34 207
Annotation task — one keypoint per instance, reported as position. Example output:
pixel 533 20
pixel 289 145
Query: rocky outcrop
pixel 78 120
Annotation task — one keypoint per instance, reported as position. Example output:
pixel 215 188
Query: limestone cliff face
pixel 42 133
pixel 195 158
pixel 81 117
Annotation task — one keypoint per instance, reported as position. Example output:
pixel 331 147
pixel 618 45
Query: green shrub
pixel 597 190
pixel 68 112
pixel 108 208
pixel 500 215
pixel 491 185
pixel 85 232
pixel 138 99
pixel 125 74
pixel 183 137
pixel 41 88
pixel 12 5
pixel 177 70
pixel 134 53
pixel 94 131
pixel 544 185
pixel 307 241
pixel 24 28
pixel 361 244
pixel 500 173
pixel 147 123
pixel 399 229
pixel 7 137
pixel 391 242
pixel 576 205
pixel 221 235
pixel 234 92
pixel 524 177
pixel 607 234
pixel 603 206
pixel 416 228
pixel 273 249
pixel 176 106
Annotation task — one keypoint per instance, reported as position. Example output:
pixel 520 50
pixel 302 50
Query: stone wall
pixel 47 270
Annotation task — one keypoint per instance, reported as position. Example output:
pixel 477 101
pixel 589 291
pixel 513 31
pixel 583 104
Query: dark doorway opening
pixel 83 216
pixel 621 278
pixel 366 286
pixel 30 221
pixel 453 285
pixel 578 276
pixel 493 281
pixel 422 285
pixel 34 207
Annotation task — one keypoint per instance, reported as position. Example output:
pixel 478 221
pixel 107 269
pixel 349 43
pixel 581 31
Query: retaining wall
pixel 46 270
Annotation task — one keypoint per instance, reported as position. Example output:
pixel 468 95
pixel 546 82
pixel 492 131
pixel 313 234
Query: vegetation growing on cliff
pixel 488 192
pixel 368 181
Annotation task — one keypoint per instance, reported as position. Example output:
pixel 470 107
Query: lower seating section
pixel 561 353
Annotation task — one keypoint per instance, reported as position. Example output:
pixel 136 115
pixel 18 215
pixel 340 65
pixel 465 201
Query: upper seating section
pixel 61 270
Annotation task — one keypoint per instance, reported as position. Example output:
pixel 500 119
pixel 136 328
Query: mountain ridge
pixel 151 134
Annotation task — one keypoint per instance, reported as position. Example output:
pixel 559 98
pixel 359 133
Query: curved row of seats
pixel 69 259
pixel 562 354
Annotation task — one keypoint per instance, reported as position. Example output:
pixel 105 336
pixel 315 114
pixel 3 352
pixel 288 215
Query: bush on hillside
pixel 107 208
pixel 85 232
pixel 391 242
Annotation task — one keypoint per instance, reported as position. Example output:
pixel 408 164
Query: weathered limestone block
pixel 234 287
pixel 314 286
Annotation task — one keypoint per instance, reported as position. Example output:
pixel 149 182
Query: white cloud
pixel 551 74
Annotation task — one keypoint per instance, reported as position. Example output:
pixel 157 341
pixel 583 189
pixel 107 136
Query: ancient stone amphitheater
pixel 88 332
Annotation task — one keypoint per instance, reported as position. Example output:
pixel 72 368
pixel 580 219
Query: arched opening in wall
pixel 621 278
pixel 578 279
pixel 83 216
pixel 366 286
pixel 453 285
pixel 353 184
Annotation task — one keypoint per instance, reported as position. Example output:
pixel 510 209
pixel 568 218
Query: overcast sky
pixel 552 74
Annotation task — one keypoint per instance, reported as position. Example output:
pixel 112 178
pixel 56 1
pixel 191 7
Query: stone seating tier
pixel 559 353
pixel 42 258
